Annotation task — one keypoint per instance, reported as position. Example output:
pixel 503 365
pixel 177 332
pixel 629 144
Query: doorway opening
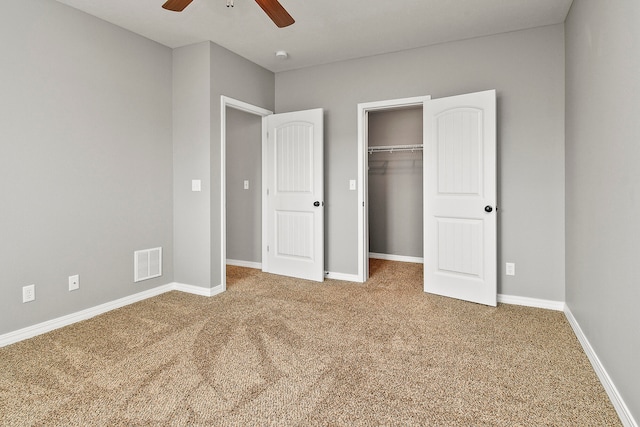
pixel 243 188
pixel 395 181
pixel 242 168
pixel 390 140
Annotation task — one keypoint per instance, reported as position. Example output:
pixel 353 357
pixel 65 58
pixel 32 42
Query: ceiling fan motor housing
pixel 272 8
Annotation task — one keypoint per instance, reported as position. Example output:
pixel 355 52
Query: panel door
pixel 295 195
pixel 460 197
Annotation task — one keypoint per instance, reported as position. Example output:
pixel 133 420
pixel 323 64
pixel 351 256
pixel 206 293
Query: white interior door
pixel 294 217
pixel 460 197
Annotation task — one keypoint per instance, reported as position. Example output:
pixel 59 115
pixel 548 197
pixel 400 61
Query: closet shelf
pixel 391 148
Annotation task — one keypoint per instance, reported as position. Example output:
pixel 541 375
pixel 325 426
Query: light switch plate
pixel 196 185
pixel 246 184
pixel 510 269
pixel 352 184
pixel 74 282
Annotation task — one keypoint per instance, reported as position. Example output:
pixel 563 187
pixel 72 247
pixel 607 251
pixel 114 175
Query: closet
pixel 395 180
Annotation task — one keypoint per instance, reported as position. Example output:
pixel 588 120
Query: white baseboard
pixel 400 258
pixel 531 302
pixel 618 403
pixel 69 319
pixel 248 264
pixel 50 325
pixel 198 290
pixel 342 276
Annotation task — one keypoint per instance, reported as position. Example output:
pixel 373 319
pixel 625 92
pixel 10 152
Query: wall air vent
pixel 147 264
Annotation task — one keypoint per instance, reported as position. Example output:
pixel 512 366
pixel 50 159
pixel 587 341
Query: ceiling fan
pixel 272 8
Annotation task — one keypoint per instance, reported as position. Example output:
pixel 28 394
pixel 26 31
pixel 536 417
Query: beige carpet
pixel 274 351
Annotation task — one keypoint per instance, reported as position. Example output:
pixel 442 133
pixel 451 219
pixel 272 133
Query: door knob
pixel 488 208
pixel 316 204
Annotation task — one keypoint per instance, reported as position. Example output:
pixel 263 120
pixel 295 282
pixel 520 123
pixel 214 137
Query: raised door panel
pixel 460 180
pixel 295 222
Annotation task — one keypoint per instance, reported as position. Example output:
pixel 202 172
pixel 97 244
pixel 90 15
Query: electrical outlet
pixel 28 293
pixel 511 269
pixel 74 282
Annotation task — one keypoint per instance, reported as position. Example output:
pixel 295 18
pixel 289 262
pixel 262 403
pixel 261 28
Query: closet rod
pixel 392 148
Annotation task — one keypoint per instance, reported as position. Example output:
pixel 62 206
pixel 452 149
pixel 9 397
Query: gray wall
pixel 192 137
pixel 244 207
pixel 202 73
pixel 527 70
pixel 395 184
pixel 603 184
pixel 85 159
pixel 238 78
pixel 102 133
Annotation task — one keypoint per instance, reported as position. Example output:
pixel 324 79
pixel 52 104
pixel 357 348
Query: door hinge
pixel 267 248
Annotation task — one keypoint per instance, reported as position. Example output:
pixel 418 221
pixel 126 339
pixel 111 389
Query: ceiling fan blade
pixel 276 12
pixel 176 5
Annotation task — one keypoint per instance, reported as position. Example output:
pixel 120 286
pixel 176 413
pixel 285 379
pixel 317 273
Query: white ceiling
pixel 325 30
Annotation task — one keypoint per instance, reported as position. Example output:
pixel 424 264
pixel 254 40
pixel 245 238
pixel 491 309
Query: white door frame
pixel 225 102
pixel 363 168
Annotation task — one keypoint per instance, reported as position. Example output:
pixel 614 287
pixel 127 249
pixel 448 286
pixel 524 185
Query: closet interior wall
pixel 395 183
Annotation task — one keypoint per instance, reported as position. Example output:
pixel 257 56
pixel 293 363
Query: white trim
pixel 616 399
pixel 264 224
pixel 248 264
pixel 400 258
pixel 69 319
pixel 225 102
pixel 342 276
pixel 531 302
pixel 197 290
pixel 363 186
